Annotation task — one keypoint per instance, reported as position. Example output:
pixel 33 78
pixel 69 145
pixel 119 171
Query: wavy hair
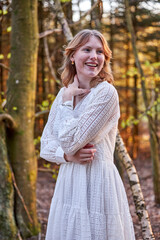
pixel 69 70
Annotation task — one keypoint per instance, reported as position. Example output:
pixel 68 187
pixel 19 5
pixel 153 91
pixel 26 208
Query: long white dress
pixel 89 201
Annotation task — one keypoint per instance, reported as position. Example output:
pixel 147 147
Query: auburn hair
pixel 69 70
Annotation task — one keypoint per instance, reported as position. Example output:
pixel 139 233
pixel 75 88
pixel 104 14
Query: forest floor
pixel 46 184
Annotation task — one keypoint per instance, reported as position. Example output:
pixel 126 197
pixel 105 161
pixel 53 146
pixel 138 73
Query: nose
pixel 93 55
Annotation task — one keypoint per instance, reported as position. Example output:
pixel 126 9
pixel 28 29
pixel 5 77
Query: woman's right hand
pixel 74 90
pixel 82 156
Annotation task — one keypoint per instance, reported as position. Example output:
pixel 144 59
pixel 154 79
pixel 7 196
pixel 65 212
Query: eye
pixel 100 52
pixel 86 49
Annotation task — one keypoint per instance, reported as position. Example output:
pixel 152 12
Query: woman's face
pixel 89 59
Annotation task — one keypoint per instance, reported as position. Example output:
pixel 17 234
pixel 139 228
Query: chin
pixel 92 75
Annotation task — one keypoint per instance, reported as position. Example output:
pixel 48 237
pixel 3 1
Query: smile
pixel 92 64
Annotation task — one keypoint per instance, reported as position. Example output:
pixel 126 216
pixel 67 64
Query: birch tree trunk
pixel 136 188
pixel 124 157
pixel 154 141
pixel 21 106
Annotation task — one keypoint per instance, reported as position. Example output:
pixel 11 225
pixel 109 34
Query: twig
pixel 8 118
pixel 21 198
pixel 4 66
pixel 84 15
pixel 19 235
pixel 48 59
pixel 1 19
pixel 45 170
pixel 57 8
pixel 39 236
pixel 48 32
pixel 38 114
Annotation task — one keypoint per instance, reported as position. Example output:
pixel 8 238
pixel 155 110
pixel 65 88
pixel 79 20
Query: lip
pixel 92 63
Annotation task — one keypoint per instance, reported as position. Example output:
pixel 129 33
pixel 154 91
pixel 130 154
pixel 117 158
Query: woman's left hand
pixel 74 90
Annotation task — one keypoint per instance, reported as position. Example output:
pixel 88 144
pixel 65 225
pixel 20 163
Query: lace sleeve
pixel 103 111
pixel 50 148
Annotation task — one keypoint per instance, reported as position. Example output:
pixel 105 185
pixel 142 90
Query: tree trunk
pixel 154 141
pixel 8 229
pixel 21 106
pixel 96 15
pixel 136 189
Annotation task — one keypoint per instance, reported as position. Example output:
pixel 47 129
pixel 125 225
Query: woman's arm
pixel 50 148
pixel 103 112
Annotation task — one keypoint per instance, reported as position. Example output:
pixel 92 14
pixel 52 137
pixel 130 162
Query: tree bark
pixel 8 229
pixel 21 106
pixel 154 141
pixel 136 189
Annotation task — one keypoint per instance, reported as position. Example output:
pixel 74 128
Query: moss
pixel 32 176
pixel 7 221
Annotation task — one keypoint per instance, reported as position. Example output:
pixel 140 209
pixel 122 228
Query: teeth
pixel 92 65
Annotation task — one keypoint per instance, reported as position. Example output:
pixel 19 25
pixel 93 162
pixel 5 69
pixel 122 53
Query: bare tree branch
pixel 49 59
pixel 8 119
pixel 4 66
pixel 57 8
pixel 38 114
pixel 83 16
pixel 49 32
pixel 21 198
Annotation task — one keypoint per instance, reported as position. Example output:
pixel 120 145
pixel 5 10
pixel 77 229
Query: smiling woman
pixel 89 60
pixel 89 201
pixel 86 43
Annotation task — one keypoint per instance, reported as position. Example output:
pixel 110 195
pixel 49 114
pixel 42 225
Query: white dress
pixel 89 201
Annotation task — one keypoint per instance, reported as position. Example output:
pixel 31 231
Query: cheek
pixel 101 61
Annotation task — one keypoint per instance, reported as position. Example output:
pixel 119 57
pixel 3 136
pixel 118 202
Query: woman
pixel 89 201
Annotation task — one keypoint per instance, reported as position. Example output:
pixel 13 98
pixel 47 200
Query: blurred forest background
pixel 33 36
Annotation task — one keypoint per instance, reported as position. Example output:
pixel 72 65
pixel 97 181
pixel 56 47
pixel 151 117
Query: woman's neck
pixel 84 83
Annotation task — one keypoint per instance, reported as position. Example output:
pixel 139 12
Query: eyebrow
pixel 91 47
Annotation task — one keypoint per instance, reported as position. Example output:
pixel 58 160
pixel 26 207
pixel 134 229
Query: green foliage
pixel 65 1
pixel 46 104
pixel 53 170
pixel 132 72
pixel 156 64
pixel 58 81
pixel 5 11
pixel 2 102
pixel 37 140
pixel 55 174
pixel 147 63
pixel 9 55
pixel 9 29
pixel 1 56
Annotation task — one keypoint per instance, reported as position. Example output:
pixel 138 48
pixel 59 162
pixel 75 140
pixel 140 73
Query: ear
pixel 72 58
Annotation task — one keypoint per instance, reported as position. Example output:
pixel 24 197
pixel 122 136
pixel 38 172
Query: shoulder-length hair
pixel 69 70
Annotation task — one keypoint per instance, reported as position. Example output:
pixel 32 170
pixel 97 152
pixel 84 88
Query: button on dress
pixel 89 201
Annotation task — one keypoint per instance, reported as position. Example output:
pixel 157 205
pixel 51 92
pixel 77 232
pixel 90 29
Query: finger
pixel 89 151
pixel 88 145
pixel 85 162
pixel 86 155
pixel 82 92
pixel 86 159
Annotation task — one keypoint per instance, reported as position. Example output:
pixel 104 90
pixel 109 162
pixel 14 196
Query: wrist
pixel 66 157
pixel 67 96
